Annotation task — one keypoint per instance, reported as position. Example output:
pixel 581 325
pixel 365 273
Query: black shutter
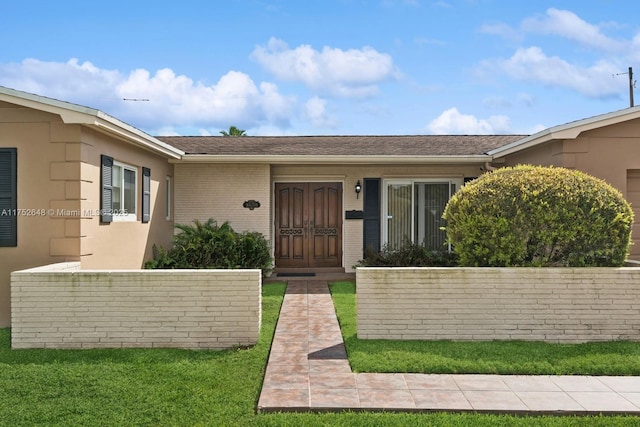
pixel 8 197
pixel 146 194
pixel 106 196
pixel 371 190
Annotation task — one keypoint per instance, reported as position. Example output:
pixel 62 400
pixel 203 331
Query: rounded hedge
pixel 539 216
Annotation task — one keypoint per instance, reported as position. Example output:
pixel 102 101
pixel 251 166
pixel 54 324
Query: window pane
pixel 398 214
pixel 129 198
pixel 117 188
pixel 430 200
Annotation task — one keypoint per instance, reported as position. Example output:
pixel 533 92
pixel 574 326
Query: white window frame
pixel 167 205
pixel 129 216
pixel 410 181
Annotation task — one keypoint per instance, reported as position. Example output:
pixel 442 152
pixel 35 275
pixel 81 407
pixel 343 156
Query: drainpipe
pixel 488 167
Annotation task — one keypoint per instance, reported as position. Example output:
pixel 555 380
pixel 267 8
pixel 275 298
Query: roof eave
pixel 306 159
pixel 104 122
pixel 567 131
pixel 77 114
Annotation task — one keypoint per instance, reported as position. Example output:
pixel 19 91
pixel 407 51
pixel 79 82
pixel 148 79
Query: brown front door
pixel 308 225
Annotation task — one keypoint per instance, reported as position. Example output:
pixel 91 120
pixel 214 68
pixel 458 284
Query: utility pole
pixel 631 87
pixel 632 84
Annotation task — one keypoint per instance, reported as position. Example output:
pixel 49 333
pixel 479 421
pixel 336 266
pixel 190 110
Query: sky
pixel 327 67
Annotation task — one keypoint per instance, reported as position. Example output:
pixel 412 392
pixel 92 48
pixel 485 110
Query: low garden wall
pixel 61 306
pixel 563 305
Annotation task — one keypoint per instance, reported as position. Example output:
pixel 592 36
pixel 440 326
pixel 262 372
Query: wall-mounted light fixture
pixel 358 189
pixel 251 204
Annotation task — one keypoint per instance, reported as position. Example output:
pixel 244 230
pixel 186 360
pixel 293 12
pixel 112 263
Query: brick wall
pixel 57 307
pixel 551 304
pixel 218 191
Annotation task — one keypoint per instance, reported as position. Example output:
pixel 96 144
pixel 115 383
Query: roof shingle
pixel 408 145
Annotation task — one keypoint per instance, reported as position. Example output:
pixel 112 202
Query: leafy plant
pixel 539 216
pixel 233 131
pixel 408 254
pixel 209 245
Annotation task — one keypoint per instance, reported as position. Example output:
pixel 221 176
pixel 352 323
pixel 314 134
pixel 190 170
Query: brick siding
pixel 563 305
pixel 60 306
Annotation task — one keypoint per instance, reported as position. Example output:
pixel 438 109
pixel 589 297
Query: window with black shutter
pixel 8 197
pixel 371 221
pixel 146 194
pixel 106 195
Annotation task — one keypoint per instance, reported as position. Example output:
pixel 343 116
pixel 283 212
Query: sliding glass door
pixel 399 218
pixel 414 211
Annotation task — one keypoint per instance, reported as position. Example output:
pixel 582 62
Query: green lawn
pixel 494 357
pixel 185 388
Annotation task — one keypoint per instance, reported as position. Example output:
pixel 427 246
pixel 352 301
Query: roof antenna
pixel 632 84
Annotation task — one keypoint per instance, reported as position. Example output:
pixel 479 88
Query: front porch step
pixel 306 271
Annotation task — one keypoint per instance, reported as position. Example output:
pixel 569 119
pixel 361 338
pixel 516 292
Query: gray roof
pixel 409 145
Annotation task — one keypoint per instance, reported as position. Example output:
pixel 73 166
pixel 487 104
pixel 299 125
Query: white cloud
pixel 452 122
pixel 502 30
pixel 59 79
pixel 347 73
pixel 174 101
pixel 567 24
pixel 533 64
pixel 315 110
pixel 634 50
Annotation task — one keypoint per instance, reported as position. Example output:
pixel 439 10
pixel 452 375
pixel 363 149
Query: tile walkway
pixel 308 370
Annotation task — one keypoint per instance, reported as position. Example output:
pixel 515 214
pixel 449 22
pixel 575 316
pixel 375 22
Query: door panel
pixel 309 225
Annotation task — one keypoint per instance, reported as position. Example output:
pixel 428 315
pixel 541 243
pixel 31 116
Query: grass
pixel 139 387
pixel 493 357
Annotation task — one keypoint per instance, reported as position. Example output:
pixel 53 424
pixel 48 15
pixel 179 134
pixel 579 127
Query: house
pixel 79 185
pixel 605 146
pixel 56 201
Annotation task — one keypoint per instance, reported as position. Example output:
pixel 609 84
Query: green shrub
pixel 207 245
pixel 539 216
pixel 408 254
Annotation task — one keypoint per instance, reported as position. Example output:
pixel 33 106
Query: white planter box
pixel 568 305
pixel 61 306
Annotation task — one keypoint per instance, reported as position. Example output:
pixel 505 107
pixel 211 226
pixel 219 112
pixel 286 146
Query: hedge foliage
pixel 408 254
pixel 207 245
pixel 539 216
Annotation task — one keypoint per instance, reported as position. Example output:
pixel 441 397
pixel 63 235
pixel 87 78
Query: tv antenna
pixel 632 84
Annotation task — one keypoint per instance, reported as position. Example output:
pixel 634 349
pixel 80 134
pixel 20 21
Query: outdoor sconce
pixel 358 189
pixel 251 204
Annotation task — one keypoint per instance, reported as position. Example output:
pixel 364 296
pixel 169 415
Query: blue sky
pixel 331 67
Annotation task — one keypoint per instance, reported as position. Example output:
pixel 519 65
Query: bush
pixel 207 245
pixel 539 216
pixel 408 254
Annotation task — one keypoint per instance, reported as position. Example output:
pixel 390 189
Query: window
pixel 124 192
pixel 413 211
pixel 167 202
pixel 8 197
pixel 119 200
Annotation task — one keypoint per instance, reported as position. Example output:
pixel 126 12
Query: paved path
pixel 308 369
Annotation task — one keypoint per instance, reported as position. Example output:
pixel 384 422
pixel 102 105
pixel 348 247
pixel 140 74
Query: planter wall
pixel 568 305
pixel 61 306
